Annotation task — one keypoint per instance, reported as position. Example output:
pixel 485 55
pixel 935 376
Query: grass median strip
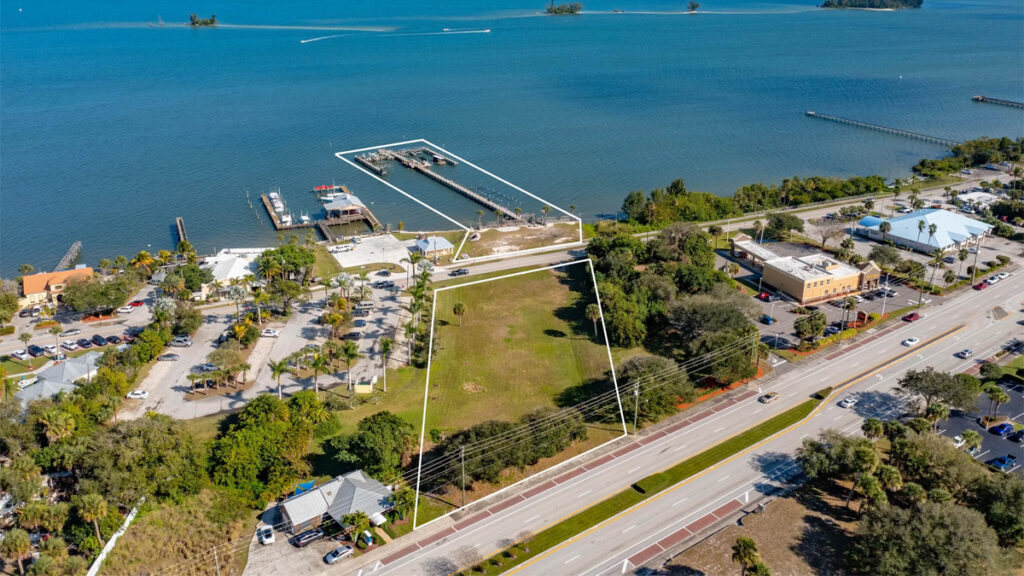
pixel 531 546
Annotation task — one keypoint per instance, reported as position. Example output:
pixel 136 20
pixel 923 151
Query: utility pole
pixel 885 295
pixel 636 405
pixel 974 268
pixel 462 457
pixel 216 560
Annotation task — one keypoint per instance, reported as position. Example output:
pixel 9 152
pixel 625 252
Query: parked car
pixel 137 303
pixel 1001 429
pixel 848 402
pixel 137 395
pixel 181 342
pixel 1003 463
pixel 125 309
pixel 958 441
pixel 69 345
pixel 965 353
pixel 308 537
pixel 36 351
pixel 912 317
pixel 168 357
pixel 21 355
pixel 767 297
pixel 766 319
pixel 1003 275
pixel 981 285
pixel 768 398
pixel 359 323
pixel 115 339
pixel 459 272
pixel 99 340
pixel 50 349
pixel 912 341
pixel 208 367
pixel 71 332
pixel 339 553
pixel 992 280
pixel 1017 436
pixel 269 333
pixel 265 535
pixel 83 343
pixel 832 330
pixel 351 336
pixel 384 273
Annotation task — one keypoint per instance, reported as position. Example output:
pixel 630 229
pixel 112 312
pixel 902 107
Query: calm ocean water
pixel 109 128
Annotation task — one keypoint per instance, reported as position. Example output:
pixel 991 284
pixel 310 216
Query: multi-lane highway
pixel 632 537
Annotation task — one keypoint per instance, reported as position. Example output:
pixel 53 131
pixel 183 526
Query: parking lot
pixel 992 445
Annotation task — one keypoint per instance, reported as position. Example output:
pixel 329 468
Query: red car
pixel 136 303
pixel 981 286
pixel 912 317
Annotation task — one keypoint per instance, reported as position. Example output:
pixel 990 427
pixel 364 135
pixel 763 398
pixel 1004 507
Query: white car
pixel 265 535
pixel 269 333
pixel 69 345
pixel 50 349
pixel 993 280
pixel 125 309
pixel 1003 275
pixel 21 355
pixel 137 395
pixel 911 341
pixel 848 402
pixel 958 441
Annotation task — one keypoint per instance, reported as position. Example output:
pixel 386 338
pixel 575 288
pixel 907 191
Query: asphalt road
pixel 608 546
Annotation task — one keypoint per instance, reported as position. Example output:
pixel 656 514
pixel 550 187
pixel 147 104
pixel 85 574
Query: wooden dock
pixel 886 129
pixel 320 224
pixel 182 235
pixel 999 101
pixel 408 159
pixel 69 256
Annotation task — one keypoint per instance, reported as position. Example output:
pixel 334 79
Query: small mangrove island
pixel 573 8
pixel 873 4
pixel 194 20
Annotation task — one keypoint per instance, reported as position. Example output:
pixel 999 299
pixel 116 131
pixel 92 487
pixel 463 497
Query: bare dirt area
pixel 805 532
pixel 513 239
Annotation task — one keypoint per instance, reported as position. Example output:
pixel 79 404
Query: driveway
pixel 375 249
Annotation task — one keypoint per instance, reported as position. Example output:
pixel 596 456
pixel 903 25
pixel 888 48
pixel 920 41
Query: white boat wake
pixel 445 32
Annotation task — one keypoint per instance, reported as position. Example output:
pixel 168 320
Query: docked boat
pixel 305 219
pixel 286 219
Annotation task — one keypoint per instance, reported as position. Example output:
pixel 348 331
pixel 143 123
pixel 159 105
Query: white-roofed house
pixel 228 265
pixel 952 231
pixel 346 494
pixel 60 377
pixel 433 247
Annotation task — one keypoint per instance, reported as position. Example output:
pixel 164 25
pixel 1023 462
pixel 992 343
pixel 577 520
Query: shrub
pixel 1003 259
pixel 327 428
pixel 6 330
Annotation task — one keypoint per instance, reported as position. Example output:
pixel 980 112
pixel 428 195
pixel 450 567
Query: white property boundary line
pixel 426 386
pixel 579 221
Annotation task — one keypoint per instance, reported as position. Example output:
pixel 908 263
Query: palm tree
pixel 544 210
pixel 26 269
pixel 16 546
pixel 364 293
pixel 104 265
pixel 355 523
pixel 25 338
pixel 948 278
pixel 120 262
pixel 55 332
pixel 349 354
pixel 971 438
pixel 733 269
pixel 760 569
pixel 744 553
pixel 386 344
pixel 849 305
pixel 93 508
pixel 277 369
pixel 57 424
pixel 173 284
pixel 884 229
pixel 269 268
pixel 459 310
pixel 921 225
pixel 932 229
pixel 936 412
pixel 715 231
pixel 497 217
pixel 962 255
pixel 415 308
pixel 758 227
pixel 479 219
pixel 403 499
pixel 997 397
pixel 318 364
pixel 593 313
pixel 143 260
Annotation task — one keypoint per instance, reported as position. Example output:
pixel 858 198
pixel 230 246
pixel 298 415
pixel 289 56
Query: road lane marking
pixel 571 559
pixel 628 529
pixel 680 447
pixel 531 519
pixel 584 493
pixel 719 429
pixel 680 501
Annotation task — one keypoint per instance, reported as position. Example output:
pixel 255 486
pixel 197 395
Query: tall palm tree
pixel 269 268
pixel 459 310
pixel 16 546
pixel 921 225
pixel 25 338
pixel 120 262
pixel 593 313
pixel 164 256
pixel 971 438
pixel 997 397
pixel 318 364
pixel 962 255
pixel 744 553
pixel 349 354
pixel 544 210
pixel 277 369
pixel 55 332
pixel 386 344
pixel 143 260
pixel 57 424
pixel 364 293
pixel 93 508
pixel 948 278
pixel 480 219
pixel 849 305
pixel 415 308
pixel 884 229
pixel 932 229
pixel 104 265
pixel 497 217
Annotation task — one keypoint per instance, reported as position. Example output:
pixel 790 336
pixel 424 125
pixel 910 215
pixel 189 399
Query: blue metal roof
pixel 950 228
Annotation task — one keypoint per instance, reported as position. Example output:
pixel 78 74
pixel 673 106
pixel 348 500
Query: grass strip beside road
pixel 644 490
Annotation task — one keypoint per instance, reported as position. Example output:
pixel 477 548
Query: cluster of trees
pixel 194 20
pixel 417 332
pixel 796 191
pixel 573 8
pixel 669 286
pixel 929 509
pixel 381 446
pixel 184 280
pixel 972 153
pixel 264 453
pixel 100 295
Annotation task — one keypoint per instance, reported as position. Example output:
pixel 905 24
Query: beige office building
pixel 812 278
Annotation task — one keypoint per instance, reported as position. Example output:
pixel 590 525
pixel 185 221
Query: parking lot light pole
pixel 636 405
pixel 885 295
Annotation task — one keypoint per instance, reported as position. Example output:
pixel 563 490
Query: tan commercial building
pixel 46 286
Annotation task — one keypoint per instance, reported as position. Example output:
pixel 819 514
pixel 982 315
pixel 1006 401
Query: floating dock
pixel 179 222
pixel 1001 102
pixel 409 157
pixel 886 129
pixel 69 257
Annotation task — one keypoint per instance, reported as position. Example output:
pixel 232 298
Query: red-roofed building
pixel 46 286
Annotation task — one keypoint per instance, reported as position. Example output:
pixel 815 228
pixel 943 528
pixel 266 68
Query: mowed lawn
pixel 522 341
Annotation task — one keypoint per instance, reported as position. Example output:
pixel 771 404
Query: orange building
pixel 46 286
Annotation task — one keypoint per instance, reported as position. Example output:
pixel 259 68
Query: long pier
pixel 182 235
pixel 69 256
pixel 886 129
pixel 999 101
pixel 408 159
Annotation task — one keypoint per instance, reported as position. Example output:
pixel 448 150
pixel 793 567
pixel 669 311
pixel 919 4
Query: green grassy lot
pixel 522 341
pixel 644 489
pixel 14 366
pixel 326 265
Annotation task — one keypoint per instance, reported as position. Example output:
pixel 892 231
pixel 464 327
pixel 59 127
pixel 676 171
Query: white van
pixel 364 305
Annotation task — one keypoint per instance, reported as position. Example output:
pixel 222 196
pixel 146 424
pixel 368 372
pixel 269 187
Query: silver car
pixel 339 553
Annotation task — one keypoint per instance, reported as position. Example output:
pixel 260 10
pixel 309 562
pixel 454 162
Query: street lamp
pixel 885 294
pixel 636 405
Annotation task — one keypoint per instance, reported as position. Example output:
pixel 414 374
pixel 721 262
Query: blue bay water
pixel 110 127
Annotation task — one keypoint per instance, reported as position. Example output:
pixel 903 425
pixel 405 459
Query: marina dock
pixel 320 224
pixel 409 157
pixel 179 222
pixel 999 101
pixel 886 129
pixel 69 257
